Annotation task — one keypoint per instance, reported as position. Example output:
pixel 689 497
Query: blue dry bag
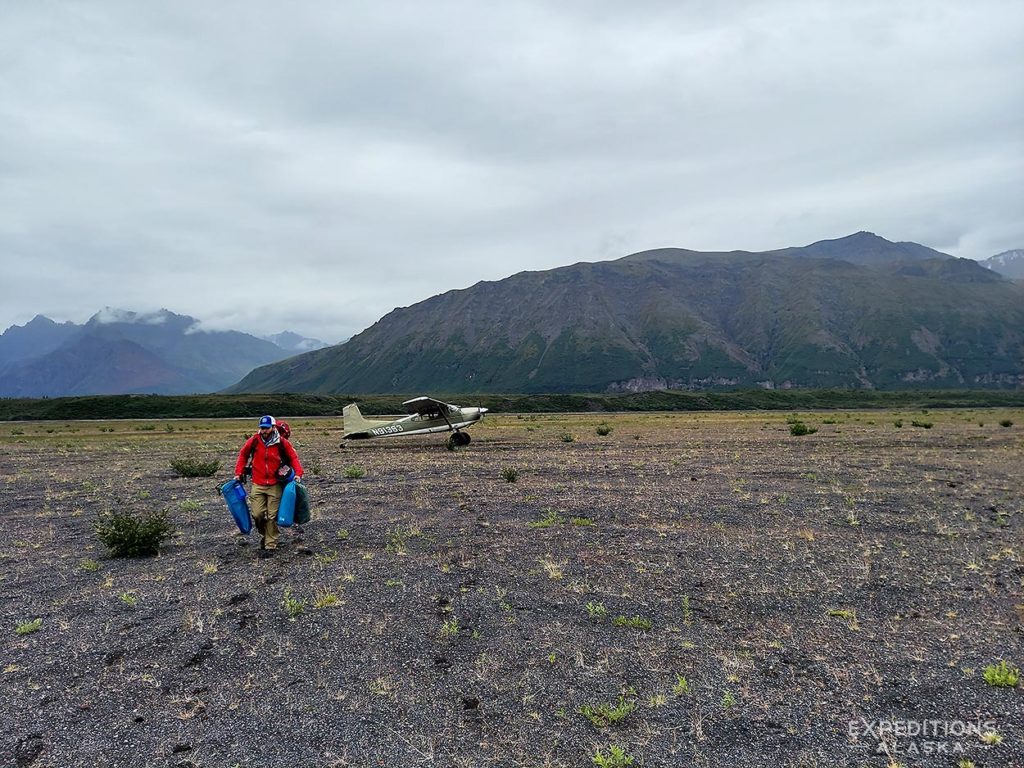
pixel 286 512
pixel 234 494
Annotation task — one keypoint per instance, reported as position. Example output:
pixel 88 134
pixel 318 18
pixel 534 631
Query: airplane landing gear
pixel 459 439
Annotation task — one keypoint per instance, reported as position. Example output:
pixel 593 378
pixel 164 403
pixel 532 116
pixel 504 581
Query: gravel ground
pixel 727 593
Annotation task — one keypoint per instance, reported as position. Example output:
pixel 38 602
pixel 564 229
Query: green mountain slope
pixel 856 312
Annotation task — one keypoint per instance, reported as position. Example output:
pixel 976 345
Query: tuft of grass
pixel 1002 675
pixel 616 758
pixel 567 438
pixel 510 474
pixel 603 430
pixel 353 472
pixel 398 540
pixel 128 535
pixel 326 557
pixel 325 598
pixel 28 627
pixel 450 628
pixel 129 599
pixel 921 424
pixel 551 517
pixel 596 611
pixel 553 568
pixel 192 467
pixel 850 617
pixel 633 622
pixel 898 423
pixel 682 686
pixel 602 715
pixel 89 565
pixel 992 738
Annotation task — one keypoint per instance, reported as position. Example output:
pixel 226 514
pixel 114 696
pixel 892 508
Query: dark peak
pixel 40 321
pixel 859 239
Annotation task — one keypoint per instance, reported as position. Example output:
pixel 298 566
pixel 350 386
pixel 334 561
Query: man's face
pixel 265 431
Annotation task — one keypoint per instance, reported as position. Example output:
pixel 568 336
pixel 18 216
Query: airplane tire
pixel 461 438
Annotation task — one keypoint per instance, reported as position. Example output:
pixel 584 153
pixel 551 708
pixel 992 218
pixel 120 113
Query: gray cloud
pixel 354 157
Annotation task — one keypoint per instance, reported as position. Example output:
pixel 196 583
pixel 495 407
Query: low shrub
pixel 922 424
pixel 1002 675
pixel 1005 423
pixel 190 467
pixel 798 428
pixel 28 627
pixel 510 474
pixel 127 535
pixel 354 472
pixel 633 622
pixel 603 430
pixel 601 715
pixel 616 758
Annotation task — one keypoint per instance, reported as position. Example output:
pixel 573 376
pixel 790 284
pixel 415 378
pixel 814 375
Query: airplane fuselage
pixel 418 424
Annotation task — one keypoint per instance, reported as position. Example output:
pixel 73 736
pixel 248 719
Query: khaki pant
pixel 266 500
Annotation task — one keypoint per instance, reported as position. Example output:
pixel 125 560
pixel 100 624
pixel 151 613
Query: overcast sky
pixel 312 165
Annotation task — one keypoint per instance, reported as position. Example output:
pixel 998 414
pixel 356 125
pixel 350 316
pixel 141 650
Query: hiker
pixel 272 461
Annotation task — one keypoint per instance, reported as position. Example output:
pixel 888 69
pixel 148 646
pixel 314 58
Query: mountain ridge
pixel 118 351
pixel 854 312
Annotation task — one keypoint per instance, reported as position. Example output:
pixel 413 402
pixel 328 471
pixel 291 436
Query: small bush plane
pixel 428 416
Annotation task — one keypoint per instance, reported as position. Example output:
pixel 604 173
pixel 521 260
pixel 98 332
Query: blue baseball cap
pixel 267 421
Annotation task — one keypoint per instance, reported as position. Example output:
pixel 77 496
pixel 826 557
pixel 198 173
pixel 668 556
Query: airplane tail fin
pixel 353 419
pixel 354 425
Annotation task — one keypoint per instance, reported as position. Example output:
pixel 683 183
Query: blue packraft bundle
pixel 234 494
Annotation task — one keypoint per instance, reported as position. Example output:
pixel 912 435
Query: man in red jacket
pixel 273 460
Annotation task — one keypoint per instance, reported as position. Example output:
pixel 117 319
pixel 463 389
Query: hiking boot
pixel 266 553
pixel 263 542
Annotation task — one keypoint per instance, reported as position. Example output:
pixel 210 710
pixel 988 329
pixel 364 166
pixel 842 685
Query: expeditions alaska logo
pixel 916 737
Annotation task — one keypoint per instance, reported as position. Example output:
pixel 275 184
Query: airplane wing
pixel 424 405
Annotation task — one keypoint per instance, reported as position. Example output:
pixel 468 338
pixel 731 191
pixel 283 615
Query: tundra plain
pixel 701 589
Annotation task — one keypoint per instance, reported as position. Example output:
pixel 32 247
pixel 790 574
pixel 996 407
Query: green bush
pixel 510 474
pixel 28 627
pixel 189 467
pixel 603 430
pixel 127 535
pixel 617 758
pixel 1002 675
pixel 922 424
pixel 354 472
pixel 1005 423
pixel 633 622
pixel 601 715
pixel 798 428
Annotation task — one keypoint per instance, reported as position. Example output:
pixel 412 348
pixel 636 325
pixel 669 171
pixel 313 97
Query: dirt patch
pixel 711 589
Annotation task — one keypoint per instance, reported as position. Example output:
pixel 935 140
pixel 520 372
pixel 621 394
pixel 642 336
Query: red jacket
pixel 266 460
